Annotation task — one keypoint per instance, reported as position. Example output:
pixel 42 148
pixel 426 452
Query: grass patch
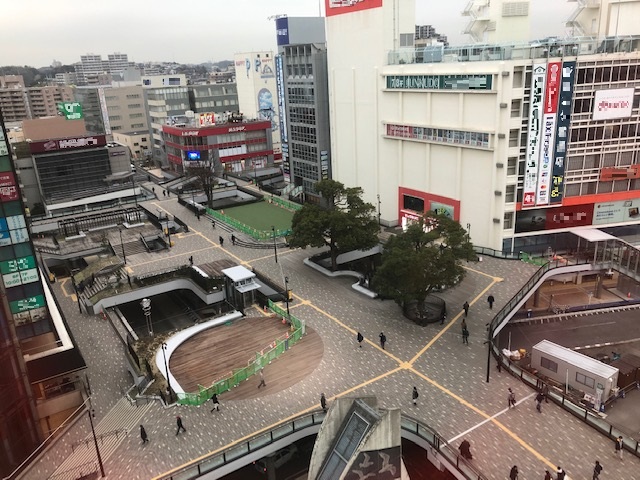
pixel 261 216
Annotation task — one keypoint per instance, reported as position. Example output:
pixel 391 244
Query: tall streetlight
pixel 275 248
pixel 146 308
pixel 124 256
pixel 378 196
pixel 286 293
pixel 488 342
pixel 166 367
pixel 91 413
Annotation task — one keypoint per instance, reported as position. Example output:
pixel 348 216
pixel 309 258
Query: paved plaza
pixel 455 398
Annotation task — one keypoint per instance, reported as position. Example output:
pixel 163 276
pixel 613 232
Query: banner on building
pixel 612 104
pixel 280 87
pixel 534 133
pixel 547 143
pixel 282 31
pixel 616 212
pixel 339 7
pixel 70 110
pixel 563 120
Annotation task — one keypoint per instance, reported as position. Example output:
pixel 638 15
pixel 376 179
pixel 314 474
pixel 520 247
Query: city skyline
pixel 76 33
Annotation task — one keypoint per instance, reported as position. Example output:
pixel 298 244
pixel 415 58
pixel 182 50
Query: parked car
pixel 280 457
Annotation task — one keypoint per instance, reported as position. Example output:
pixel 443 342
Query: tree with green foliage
pixel 426 257
pixel 344 222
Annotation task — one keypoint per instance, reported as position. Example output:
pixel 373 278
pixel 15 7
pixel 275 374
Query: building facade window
pixel 548 364
pixel 584 380
pixel 440 135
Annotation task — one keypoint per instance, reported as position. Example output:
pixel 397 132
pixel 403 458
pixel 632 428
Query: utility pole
pixel 275 248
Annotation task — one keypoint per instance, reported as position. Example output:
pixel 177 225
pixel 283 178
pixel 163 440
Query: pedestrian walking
pixel 216 403
pixel 323 402
pixel 180 425
pixel 233 239
pixel 560 473
pixel 213 224
pixel 597 469
pixel 511 399
pixel 491 300
pixel 164 193
pixel 262 382
pixel 539 400
pixel 221 240
pixel 414 395
pixel 153 190
pixel 191 260
pixel 465 450
pixel 513 474
pixel 360 339
pixel 619 447
pixel 465 336
pixel 466 308
pixel 143 435
pixel 383 339
pixel 547 475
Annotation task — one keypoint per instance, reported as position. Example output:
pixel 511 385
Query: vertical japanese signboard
pixel 536 109
pixel 547 143
pixel 562 131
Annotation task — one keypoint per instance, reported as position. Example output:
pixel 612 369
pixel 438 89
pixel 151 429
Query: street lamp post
pixel 275 248
pixel 90 411
pixel 379 214
pixel 286 293
pixel 166 368
pixel 488 342
pixel 146 308
pixel 124 256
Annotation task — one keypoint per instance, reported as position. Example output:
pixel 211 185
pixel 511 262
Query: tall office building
pixel 303 94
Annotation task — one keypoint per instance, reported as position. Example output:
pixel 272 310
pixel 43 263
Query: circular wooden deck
pixel 216 352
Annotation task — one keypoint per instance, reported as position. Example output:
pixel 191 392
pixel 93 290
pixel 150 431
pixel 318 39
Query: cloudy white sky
pixel 35 32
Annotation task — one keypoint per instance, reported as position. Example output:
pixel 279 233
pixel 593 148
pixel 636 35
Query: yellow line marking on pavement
pixel 63 286
pixel 280 253
pixel 499 279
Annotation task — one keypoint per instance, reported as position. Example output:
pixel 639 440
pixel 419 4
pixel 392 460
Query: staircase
pixel 122 418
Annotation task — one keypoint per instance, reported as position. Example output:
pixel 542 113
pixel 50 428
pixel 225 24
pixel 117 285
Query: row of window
pixel 581 378
pixel 458 137
pixel 306 115
pixel 114 118
pixel 301 94
pixel 304 152
pixel 300 70
pixel 616 73
pixel 303 134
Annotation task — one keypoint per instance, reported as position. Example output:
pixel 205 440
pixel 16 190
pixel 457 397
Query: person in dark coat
pixel 323 402
pixel 466 308
pixel 465 450
pixel 143 435
pixel 221 240
pixel 560 473
pixel 491 300
pixel 414 395
pixel 513 474
pixel 619 447
pixel 180 425
pixel 511 399
pixel 383 339
pixel 216 403
pixel 360 339
pixel 547 475
pixel 539 400
pixel 233 239
pixel 597 469
pixel 465 336
pixel 262 382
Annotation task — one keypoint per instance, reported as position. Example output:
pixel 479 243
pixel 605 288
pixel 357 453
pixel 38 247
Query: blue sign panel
pixel 282 31
pixel 562 131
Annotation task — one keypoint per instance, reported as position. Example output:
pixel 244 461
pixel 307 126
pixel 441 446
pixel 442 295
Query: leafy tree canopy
pixel 426 257
pixel 343 223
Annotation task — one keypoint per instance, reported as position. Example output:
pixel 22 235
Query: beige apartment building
pixel 125 110
pixel 20 103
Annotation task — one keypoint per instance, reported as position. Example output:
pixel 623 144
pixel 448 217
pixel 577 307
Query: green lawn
pixel 261 216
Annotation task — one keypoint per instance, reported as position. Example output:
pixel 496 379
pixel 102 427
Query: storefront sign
pixel 563 119
pixel 8 189
pixel 548 133
pixel 27 304
pixel 616 212
pixel 68 144
pixel 536 108
pixel 439 82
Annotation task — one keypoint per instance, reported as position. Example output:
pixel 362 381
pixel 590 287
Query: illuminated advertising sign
pixel 68 144
pixel 30 303
pixel 548 133
pixel 536 108
pixel 535 220
pixel 282 31
pixel 193 156
pixel 611 104
pixel 71 110
pixel 439 82
pixel 563 120
pixel 339 7
pixel 206 119
pixel 8 189
pixel 281 99
pixel 616 212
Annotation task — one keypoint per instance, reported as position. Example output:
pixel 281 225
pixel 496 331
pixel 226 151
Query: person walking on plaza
pixel 619 446
pixel 216 403
pixel 221 240
pixel 491 300
pixel 323 402
pixel 597 469
pixel 465 450
pixel 513 474
pixel 466 308
pixel 465 336
pixel 511 399
pixel 143 435
pixel 233 239
pixel 414 395
pixel 383 339
pixel 539 400
pixel 180 425
pixel 213 224
pixel 262 382
pixel 547 475
pixel 360 338
pixel 560 473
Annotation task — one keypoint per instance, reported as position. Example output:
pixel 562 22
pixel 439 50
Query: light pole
pixel 286 293
pixel 91 412
pixel 124 256
pixel 488 342
pixel 166 367
pixel 275 248
pixel 146 308
pixel 378 196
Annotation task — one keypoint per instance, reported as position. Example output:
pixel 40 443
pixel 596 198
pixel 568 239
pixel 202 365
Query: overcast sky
pixel 35 32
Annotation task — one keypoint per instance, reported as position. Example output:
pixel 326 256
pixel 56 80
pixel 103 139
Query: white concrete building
pixel 519 142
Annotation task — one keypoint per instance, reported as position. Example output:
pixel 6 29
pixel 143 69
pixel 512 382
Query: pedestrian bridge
pixel 246 451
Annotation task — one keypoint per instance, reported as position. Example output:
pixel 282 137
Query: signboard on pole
pixel 538 79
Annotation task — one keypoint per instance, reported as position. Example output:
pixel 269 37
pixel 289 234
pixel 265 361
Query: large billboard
pixel 282 31
pixel 563 120
pixel 538 78
pixel 338 7
pixel 548 133
pixel 70 110
pixel 616 212
pixel 535 220
pixel 611 104
pixel 68 144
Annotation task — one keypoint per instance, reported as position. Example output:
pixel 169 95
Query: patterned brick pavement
pixel 451 377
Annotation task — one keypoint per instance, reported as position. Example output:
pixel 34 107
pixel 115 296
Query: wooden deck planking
pixel 216 352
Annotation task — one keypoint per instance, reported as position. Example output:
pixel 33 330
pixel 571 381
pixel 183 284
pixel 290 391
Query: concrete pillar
pixel 536 298
pixel 598 292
